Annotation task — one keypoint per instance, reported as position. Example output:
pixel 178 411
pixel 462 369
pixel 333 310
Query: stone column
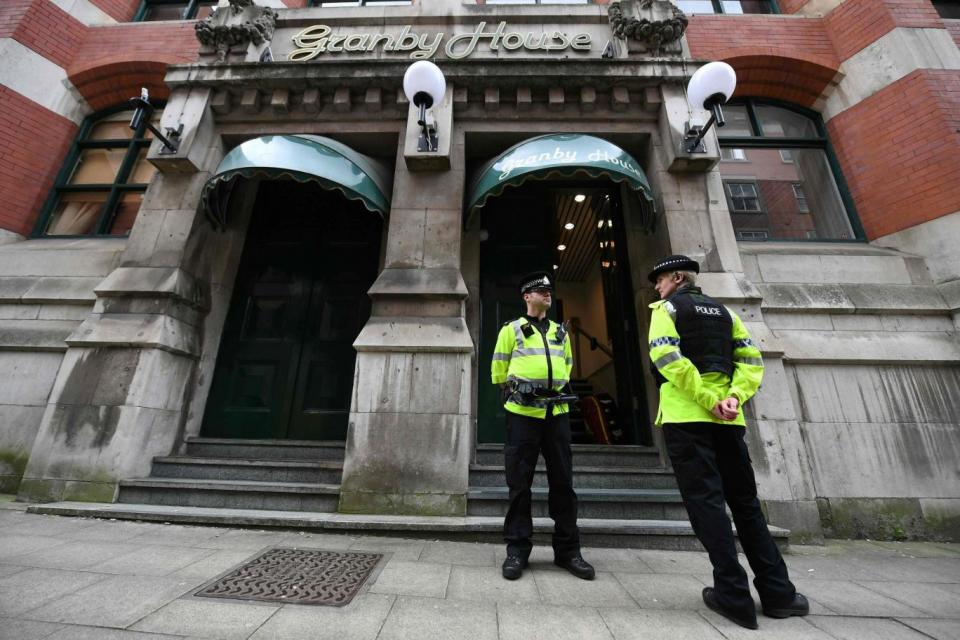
pixel 410 438
pixel 120 395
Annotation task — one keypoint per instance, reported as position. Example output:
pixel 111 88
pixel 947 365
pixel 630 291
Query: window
pixel 801 199
pixel 360 3
pixel 744 197
pixel 691 7
pixel 153 10
pixel 100 188
pixel 733 154
pixel 948 9
pixel 537 2
pixel 751 234
pixel 790 188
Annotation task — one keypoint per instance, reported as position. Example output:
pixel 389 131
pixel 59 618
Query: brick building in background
pixel 137 314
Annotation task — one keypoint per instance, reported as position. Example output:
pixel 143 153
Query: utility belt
pixel 529 394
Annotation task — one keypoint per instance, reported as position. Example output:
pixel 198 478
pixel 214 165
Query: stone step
pixel 198 468
pixel 265 449
pixel 645 534
pixel 584 477
pixel 620 504
pixel 593 455
pixel 230 494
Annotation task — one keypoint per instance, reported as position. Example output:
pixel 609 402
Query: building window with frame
pixel 156 10
pixel 736 7
pixel 790 185
pixel 536 2
pixel 733 154
pixel 948 9
pixel 101 186
pixel 751 234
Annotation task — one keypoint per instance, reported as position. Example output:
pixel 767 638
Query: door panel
pixel 285 367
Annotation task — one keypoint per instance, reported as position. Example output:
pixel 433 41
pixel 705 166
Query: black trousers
pixel 712 466
pixel 526 439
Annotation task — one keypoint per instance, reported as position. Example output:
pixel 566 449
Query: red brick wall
pixel 953 26
pixel 898 150
pixel 119 10
pixel 33 144
pixel 42 26
pixel 857 23
pixel 786 59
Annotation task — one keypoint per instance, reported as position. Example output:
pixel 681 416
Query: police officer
pixel 707 368
pixel 532 363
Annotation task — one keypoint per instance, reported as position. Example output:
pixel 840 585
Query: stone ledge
pixel 399 334
pixel 851 298
pixel 151 282
pixel 868 347
pixel 137 330
pixel 419 282
pixel 35 335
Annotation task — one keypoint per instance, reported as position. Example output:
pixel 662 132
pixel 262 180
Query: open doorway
pixel 576 230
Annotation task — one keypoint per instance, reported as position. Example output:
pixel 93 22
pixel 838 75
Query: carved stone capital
pixel 242 25
pixel 657 24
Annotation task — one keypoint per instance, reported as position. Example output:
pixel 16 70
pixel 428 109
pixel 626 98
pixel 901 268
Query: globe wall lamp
pixel 143 110
pixel 424 86
pixel 709 88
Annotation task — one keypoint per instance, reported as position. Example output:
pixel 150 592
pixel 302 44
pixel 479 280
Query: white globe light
pixel 424 77
pixel 709 80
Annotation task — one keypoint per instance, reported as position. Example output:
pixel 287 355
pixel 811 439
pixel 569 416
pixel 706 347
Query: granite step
pixel 230 494
pixel 201 468
pixel 585 477
pixel 265 449
pixel 626 504
pixel 595 532
pixel 590 455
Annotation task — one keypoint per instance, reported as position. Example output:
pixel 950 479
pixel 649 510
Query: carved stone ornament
pixel 244 24
pixel 654 34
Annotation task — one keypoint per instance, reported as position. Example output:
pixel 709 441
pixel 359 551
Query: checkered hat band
pixel 538 282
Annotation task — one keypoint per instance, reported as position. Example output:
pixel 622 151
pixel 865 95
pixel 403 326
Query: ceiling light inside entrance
pixel 561 247
pixel 579 197
pixel 569 225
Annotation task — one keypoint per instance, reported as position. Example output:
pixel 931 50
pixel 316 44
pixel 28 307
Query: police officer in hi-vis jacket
pixel 532 362
pixel 708 367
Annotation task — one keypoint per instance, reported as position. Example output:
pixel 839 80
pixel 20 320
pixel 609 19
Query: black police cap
pixel 536 280
pixel 673 263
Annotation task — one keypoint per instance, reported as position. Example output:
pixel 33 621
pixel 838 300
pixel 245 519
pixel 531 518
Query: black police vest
pixel 706 332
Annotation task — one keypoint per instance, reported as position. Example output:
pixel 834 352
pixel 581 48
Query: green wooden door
pixel 285 366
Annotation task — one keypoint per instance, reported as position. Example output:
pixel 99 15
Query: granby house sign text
pixel 318 39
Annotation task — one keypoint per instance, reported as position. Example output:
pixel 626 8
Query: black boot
pixel 577 566
pixel 742 619
pixel 513 567
pixel 796 607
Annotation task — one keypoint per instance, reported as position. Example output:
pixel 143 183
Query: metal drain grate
pixel 298 576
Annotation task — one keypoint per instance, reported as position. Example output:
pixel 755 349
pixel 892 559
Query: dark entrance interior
pixel 286 359
pixel 523 230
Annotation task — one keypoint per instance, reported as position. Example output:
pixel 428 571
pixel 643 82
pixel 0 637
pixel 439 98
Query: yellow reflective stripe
pixel 664 360
pixel 537 351
pixel 501 356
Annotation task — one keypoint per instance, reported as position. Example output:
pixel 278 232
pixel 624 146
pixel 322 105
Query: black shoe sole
pixel 746 624
pixel 586 576
pixel 784 613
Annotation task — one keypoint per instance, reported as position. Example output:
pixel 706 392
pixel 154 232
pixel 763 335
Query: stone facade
pixel 107 346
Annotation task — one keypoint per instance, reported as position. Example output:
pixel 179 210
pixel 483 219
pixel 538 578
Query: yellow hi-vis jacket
pixel 688 396
pixel 537 358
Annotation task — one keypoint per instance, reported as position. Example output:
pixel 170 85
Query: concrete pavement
pixel 79 579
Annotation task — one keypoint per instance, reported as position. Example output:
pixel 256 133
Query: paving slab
pixel 11 629
pixel 486 584
pixel 460 553
pixel 178 535
pixel 833 568
pixel 18 545
pixel 73 632
pixel 332 542
pixel 674 562
pixel 425 579
pixel 920 549
pixel 657 625
pixel 400 549
pixel 362 619
pixel 49 526
pixel 32 588
pixel 153 560
pixel 770 629
pixel 929 598
pixel 208 618
pixel 939 629
pixel 844 628
pixel 421 618
pixel 542 622
pixel 237 539
pixel 10 569
pixel 116 601
pixel 850 599
pixel 916 569
pixel 76 555
pixel 563 588
pixel 618 560
pixel 664 591
pixel 211 566
pixel 109 531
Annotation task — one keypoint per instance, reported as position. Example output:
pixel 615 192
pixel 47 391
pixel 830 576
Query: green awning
pixel 303 158
pixel 561 156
